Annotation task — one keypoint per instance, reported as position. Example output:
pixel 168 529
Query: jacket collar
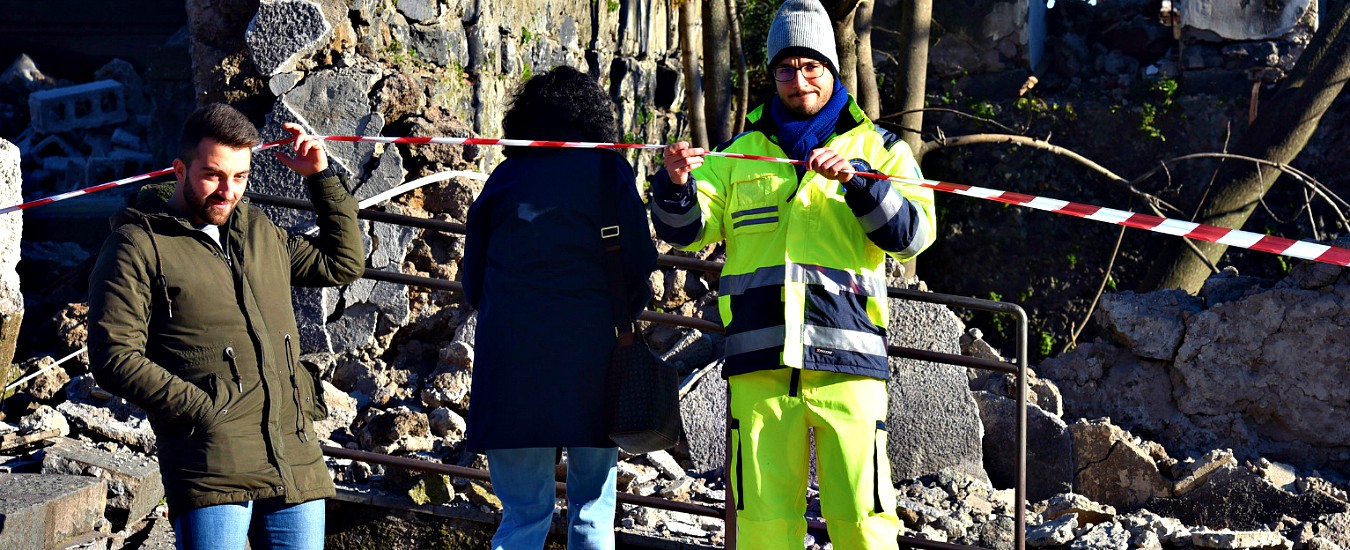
pixel 151 204
pixel 851 117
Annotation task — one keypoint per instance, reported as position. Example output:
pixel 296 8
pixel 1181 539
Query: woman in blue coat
pixel 533 268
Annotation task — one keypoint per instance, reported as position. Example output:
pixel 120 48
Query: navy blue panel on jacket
pixel 533 268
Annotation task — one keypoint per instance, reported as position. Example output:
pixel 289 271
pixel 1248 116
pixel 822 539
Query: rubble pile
pixel 80 134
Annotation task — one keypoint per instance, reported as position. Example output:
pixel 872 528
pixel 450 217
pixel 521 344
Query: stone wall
pixel 415 67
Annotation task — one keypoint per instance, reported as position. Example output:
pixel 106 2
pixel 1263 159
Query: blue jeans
pixel 267 524
pixel 524 481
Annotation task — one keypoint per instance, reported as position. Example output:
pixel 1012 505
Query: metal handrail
pixel 950 300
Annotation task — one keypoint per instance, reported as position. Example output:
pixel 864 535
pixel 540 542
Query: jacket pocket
pixel 754 206
pixel 318 408
pixel 220 394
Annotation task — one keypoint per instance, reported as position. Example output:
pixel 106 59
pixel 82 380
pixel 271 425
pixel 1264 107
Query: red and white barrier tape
pixel 1231 237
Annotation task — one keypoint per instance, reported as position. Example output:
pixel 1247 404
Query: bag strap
pixel 609 239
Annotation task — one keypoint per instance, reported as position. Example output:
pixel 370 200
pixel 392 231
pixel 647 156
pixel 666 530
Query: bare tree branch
pixel 1311 183
pixel 1150 200
pixel 984 120
pixel 973 139
pixel 1110 264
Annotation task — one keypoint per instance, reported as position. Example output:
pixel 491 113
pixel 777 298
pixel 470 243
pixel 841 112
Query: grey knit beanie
pixel 802 27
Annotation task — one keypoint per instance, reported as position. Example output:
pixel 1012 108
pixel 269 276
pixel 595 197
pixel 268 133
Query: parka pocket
pixel 222 394
pixel 754 205
pixel 318 408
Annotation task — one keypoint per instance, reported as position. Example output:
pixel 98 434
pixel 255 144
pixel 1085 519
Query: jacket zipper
pixel 295 392
pixel 795 384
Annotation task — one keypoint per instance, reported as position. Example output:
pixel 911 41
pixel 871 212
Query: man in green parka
pixel 190 318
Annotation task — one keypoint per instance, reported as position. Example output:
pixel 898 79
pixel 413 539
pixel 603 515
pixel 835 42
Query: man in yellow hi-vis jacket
pixel 803 292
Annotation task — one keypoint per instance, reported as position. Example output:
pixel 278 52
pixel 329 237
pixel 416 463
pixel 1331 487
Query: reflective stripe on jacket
pixel 804 283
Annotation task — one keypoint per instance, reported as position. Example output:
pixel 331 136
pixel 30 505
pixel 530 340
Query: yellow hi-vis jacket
pixel 804 283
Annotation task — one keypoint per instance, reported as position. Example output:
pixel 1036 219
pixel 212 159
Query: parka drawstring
pixel 234 369
pixel 160 283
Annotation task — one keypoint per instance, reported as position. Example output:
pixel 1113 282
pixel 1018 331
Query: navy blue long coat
pixel 533 267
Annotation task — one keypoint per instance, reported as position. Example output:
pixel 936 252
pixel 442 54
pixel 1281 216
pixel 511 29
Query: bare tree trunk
pixel 743 73
pixel 912 76
pixel 693 82
pixel 717 70
pixel 869 98
pixel 845 40
pixel 1278 134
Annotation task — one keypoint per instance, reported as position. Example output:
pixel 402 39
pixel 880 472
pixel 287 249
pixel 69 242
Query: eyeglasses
pixel 788 73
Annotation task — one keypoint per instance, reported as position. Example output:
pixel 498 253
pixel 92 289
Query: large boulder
pixel 1151 324
pixel 1235 498
pixel 1050 457
pixel 933 422
pixel 282 32
pixel 703 411
pixel 1113 468
pixel 1260 370
pixel 1267 372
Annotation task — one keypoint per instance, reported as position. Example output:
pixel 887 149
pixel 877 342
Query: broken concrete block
pixel 447 424
pixel 341 411
pixel 1112 468
pixel 11 233
pixel 1050 468
pixel 126 140
pixel 1103 536
pixel 1054 532
pixel 44 419
pixel 1088 512
pixel 1152 325
pixel 24 73
pixel 89 105
pixel 399 430
pixel 1194 474
pixel 1264 540
pixel 666 464
pixel 40 511
pixel 281 83
pixel 115 166
pixel 127 425
pixel 134 486
pixel 283 32
pixel 1233 497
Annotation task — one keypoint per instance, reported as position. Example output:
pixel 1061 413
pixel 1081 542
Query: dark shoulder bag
pixel 642 391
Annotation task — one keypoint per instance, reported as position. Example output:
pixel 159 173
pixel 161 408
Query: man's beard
pixel 202 210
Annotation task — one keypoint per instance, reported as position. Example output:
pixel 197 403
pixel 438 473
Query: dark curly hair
pixel 563 104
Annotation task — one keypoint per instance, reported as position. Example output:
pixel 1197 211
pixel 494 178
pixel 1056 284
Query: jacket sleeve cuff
pixel 327 186
pixel 672 197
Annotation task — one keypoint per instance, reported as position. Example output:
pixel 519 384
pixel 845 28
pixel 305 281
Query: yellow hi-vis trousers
pixel 770 414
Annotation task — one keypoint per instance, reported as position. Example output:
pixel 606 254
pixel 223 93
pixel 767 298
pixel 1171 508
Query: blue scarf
pixel 799 136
